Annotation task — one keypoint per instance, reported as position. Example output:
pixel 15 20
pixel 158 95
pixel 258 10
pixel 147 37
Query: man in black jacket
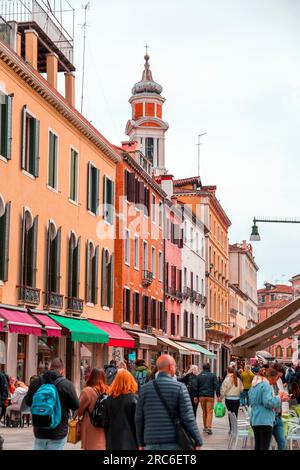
pixel 154 427
pixel 54 439
pixel 3 397
pixel 207 387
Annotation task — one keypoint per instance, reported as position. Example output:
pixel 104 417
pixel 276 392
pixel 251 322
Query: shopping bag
pixel 74 431
pixel 219 410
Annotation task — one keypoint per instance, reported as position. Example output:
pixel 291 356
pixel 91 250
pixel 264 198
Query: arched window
pixel 289 351
pixel 279 351
pixel 74 269
pixel 53 260
pixel 149 149
pixel 4 238
pixel 28 249
pixel 91 274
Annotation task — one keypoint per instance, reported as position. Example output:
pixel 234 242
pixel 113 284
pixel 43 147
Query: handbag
pixel 74 431
pixel 219 410
pixel 184 439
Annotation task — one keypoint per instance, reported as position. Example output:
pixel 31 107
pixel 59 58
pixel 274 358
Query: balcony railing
pixel 54 301
pixel 179 295
pixel 193 295
pixel 234 311
pixel 198 298
pixel 186 292
pixel 29 295
pixel 74 305
pixel 203 300
pixel 147 278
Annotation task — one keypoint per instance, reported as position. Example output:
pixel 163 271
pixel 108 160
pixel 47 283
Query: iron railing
pixel 29 295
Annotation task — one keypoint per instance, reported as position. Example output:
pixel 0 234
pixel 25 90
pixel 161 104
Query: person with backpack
pixel 51 397
pixel 190 380
pixel 142 373
pixel 111 372
pixel 91 407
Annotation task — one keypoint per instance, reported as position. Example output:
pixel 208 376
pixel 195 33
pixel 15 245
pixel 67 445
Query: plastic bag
pixel 219 410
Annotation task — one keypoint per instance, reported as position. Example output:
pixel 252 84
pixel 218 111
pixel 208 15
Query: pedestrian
pixel 263 402
pixel 290 375
pixel 92 438
pixel 53 439
pixel 233 365
pixel 278 428
pixel 111 372
pixel 141 373
pixel 246 378
pixel 231 390
pixel 18 396
pixel 122 365
pixel 3 398
pixel 154 373
pixel 207 387
pixel 297 375
pixel 295 394
pixel 119 413
pixel 155 428
pixel 190 380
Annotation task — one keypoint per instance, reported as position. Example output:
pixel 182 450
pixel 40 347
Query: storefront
pixel 48 343
pixel 145 347
pixel 180 353
pixel 2 347
pixel 205 355
pixel 192 359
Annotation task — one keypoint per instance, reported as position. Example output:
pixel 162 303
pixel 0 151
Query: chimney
pixel 166 182
pixel 19 44
pixel 31 47
pixel 52 69
pixel 70 88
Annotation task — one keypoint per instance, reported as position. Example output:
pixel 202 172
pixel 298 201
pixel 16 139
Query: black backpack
pixel 97 414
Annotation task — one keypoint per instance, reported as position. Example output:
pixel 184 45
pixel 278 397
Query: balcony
pixel 54 301
pixel 198 298
pixel 147 278
pixel 234 311
pixel 74 305
pixel 203 301
pixel 193 295
pixel 29 296
pixel 186 292
pixel 149 330
pixel 179 295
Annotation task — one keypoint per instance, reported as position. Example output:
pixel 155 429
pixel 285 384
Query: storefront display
pixel 47 351
pixel 21 358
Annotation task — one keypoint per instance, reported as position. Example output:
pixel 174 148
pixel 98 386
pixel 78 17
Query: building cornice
pixel 40 86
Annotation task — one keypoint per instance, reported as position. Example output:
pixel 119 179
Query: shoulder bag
pixel 184 440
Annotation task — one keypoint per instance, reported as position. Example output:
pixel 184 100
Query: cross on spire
pixel 147 47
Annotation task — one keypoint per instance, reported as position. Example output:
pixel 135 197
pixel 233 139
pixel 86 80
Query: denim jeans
pixel 244 398
pixel 279 434
pixel 49 444
pixel 162 447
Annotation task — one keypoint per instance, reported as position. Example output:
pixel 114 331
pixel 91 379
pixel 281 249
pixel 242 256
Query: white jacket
pixel 18 395
pixel 228 389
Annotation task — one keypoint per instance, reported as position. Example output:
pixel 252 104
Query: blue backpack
pixel 46 406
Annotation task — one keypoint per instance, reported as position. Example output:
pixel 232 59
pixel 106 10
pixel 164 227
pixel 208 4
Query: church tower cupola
pixel 146 125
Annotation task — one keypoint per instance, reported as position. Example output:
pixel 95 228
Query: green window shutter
pixel 23 141
pixel 51 163
pixel 97 190
pixel 78 266
pixel 104 197
pixel 103 279
pixel 5 253
pixel 9 100
pixel 22 257
pixel 58 257
pixel 48 261
pixel 112 203
pixel 96 274
pixel 70 267
pixel 36 155
pixel 89 188
pixel 34 250
pixel 111 282
pixel 87 272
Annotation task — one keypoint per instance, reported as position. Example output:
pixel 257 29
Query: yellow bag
pixel 74 431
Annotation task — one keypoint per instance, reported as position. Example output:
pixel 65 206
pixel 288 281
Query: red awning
pixel 117 336
pixel 20 322
pixel 1 324
pixel 52 328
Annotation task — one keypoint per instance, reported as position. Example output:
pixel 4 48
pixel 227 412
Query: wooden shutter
pixel 131 187
pixel 48 267
pixel 36 147
pixel 34 249
pixel 70 266
pixel 104 197
pixel 58 256
pixel 89 188
pixel 23 140
pixel 97 191
pixel 125 183
pixel 110 275
pixel 96 280
pixel 78 265
pixel 112 202
pixel 87 271
pixel 22 260
pixel 6 241
pixel 9 99
pixel 103 278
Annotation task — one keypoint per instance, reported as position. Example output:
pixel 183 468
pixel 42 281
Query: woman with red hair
pixel 92 438
pixel 119 413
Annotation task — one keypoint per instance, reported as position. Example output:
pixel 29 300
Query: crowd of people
pixel 131 405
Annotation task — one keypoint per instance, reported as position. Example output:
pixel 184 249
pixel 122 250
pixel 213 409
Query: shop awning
pixel 52 328
pixel 174 345
pixel 81 330
pixel 204 351
pixel 189 347
pixel 20 322
pixel 117 336
pixel 1 324
pixel 144 338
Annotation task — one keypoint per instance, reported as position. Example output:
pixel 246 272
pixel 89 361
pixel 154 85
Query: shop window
pixel 30 143
pixel 53 259
pixel 91 273
pixel 28 249
pixel 5 125
pixel 4 239
pixel 107 279
pixel 21 358
pixel 93 175
pixel 47 351
pixel 74 266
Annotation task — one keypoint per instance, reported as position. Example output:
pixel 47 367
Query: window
pixel 145 311
pixel 160 266
pixel 136 308
pixel 197 283
pixel 127 247
pixel 177 325
pixel 184 278
pixel 179 280
pixel 185 232
pixel 153 263
pixel 4 239
pixel 185 324
pixel 160 222
pixel 5 125
pixel 173 277
pixel 28 249
pixel 136 251
pixel 153 313
pixel 173 324
pixel 272 297
pixel 192 281
pixel 279 351
pixel 108 199
pixel 192 238
pixel 145 256
pixel 30 143
pixel 74 266
pixel 126 305
pixel 160 316
pixel 92 188
pixel 136 192
pixel 202 286
pixel 91 274
pixel 263 299
pixel 53 160
pixel 197 242
pixel 53 259
pixel 74 176
pixel 165 322
pixel 153 209
pixel 167 276
pixel 149 149
pixel 289 351
pixel 192 326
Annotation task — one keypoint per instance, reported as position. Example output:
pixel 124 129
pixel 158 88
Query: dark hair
pixel 32 378
pixel 231 370
pixel 279 368
pixel 97 379
pixel 295 390
pixel 140 362
pixel 271 372
pixel 206 367
pixel 57 364
pixel 113 363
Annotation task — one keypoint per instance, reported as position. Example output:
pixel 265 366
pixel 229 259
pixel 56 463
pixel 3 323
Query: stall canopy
pixel 204 351
pixel 52 328
pixel 1 324
pixel 190 347
pixel 81 330
pixel 20 322
pixel 117 336
pixel 174 345
pixel 279 326
pixel 144 338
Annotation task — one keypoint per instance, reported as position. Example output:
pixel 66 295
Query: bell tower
pixel 146 125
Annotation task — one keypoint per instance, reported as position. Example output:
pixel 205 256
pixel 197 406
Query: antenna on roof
pixel 85 7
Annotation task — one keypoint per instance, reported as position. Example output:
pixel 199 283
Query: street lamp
pixel 255 237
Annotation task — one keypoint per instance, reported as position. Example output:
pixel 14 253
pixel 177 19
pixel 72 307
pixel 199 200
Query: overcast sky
pixel 230 68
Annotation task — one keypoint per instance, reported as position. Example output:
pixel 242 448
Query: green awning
pixel 203 350
pixel 81 330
